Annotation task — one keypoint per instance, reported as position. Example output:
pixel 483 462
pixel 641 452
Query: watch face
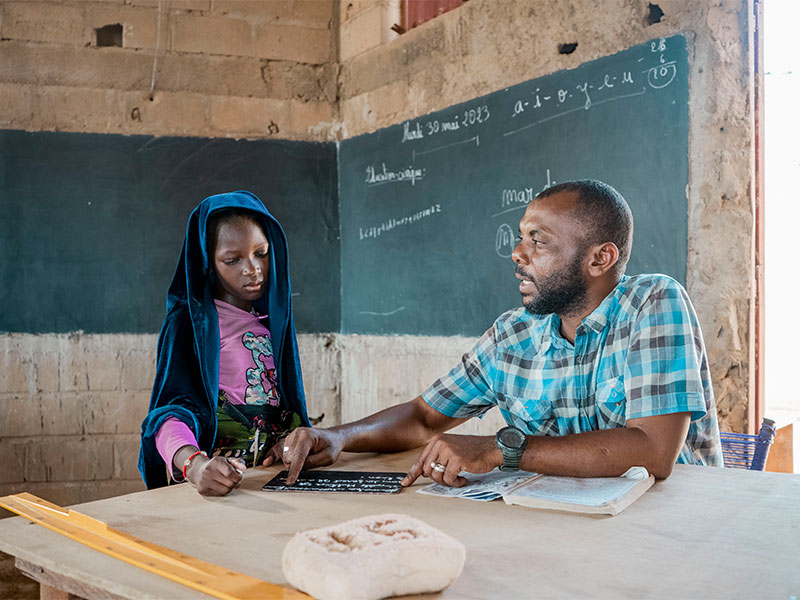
pixel 511 437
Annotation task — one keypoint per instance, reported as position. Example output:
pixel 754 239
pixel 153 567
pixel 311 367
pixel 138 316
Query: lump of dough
pixel 372 557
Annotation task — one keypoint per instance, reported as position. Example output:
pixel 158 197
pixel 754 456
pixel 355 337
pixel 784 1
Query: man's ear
pixel 602 258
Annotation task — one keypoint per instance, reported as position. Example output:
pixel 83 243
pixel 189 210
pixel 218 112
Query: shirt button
pixel 578 359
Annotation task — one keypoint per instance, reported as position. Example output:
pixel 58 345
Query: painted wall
pixel 70 405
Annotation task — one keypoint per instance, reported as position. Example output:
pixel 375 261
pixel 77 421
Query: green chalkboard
pixel 430 207
pixel 91 225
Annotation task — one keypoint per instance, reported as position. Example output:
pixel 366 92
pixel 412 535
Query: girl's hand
pixel 216 476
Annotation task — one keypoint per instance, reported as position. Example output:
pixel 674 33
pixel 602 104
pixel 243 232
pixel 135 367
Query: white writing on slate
pixel 378 230
pixel 560 96
pixel 416 130
pixel 378 177
pixel 411 134
pixel 511 200
pixel 520 197
pixel 622 84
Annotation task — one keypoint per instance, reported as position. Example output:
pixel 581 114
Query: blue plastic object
pixel 744 451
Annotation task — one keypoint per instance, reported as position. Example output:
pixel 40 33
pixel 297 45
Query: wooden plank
pixel 48 593
pixel 187 570
pixel 59 587
pixel 783 455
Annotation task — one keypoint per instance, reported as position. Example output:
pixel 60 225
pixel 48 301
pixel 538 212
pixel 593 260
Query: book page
pixel 482 486
pixel 594 491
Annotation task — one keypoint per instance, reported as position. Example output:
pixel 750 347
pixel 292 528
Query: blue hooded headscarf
pixel 186 385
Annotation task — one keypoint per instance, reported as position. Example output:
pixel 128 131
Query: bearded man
pixel 597 373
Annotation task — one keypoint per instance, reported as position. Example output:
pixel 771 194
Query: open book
pixel 588 495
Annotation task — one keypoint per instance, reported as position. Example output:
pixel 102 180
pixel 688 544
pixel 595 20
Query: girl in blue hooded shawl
pixel 228 384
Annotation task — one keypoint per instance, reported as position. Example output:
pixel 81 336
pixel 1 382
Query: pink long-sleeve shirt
pixel 246 374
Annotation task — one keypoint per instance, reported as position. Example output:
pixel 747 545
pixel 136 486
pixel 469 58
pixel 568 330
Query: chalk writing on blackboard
pixel 542 100
pixel 556 103
pixel 505 241
pixel 386 313
pixel 516 198
pixel 662 75
pixel 411 134
pixel 389 224
pixel 384 175
pixel 659 45
pixel 512 197
pixel 468 117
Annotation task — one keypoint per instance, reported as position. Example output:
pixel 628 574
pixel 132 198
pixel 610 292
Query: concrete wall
pixel 70 405
pixel 223 68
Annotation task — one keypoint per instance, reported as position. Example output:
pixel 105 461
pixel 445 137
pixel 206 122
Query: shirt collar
pixel 550 333
pixel 597 320
pixel 235 312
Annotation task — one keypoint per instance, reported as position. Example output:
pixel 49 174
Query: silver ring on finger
pixel 437 466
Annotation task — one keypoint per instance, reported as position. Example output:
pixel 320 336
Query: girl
pixel 228 383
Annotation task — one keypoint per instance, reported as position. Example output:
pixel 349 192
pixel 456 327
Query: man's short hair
pixel 604 214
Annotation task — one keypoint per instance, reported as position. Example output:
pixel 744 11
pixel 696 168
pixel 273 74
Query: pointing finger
pixel 416 469
pixel 296 457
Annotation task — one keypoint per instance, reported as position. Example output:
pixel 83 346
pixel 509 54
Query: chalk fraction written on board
pixel 353 482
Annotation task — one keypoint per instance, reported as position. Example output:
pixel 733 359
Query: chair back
pixel 744 451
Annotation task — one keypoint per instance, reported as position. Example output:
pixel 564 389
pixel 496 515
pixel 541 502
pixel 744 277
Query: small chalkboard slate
pixel 353 482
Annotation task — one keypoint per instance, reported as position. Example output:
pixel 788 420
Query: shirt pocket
pixel 610 404
pixel 532 415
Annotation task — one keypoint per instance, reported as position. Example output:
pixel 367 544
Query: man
pixel 598 373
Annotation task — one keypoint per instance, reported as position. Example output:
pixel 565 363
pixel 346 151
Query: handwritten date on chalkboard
pixel 353 482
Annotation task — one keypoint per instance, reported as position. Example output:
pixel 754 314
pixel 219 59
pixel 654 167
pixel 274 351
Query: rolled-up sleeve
pixel 663 366
pixel 466 391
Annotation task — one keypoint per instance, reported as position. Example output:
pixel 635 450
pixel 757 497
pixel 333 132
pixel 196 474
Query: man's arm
pixel 652 442
pixel 401 427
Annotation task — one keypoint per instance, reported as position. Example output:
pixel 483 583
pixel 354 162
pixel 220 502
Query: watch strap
pixel 511 460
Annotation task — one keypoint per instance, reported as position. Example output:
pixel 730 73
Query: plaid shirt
pixel 639 354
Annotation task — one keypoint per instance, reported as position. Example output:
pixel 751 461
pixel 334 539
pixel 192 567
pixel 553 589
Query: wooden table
pixel 704 532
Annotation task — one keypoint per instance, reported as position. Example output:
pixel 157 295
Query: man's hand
pixel 456 453
pixel 216 476
pixel 305 448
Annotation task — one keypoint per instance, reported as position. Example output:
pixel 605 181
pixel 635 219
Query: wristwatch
pixel 512 442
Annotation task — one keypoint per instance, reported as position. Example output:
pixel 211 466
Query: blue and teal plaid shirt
pixel 639 354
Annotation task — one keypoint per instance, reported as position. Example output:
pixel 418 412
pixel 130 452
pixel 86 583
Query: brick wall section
pixel 71 408
pixel 70 411
pixel 366 24
pixel 271 57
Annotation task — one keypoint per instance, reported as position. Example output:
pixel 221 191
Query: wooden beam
pixel 784 455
